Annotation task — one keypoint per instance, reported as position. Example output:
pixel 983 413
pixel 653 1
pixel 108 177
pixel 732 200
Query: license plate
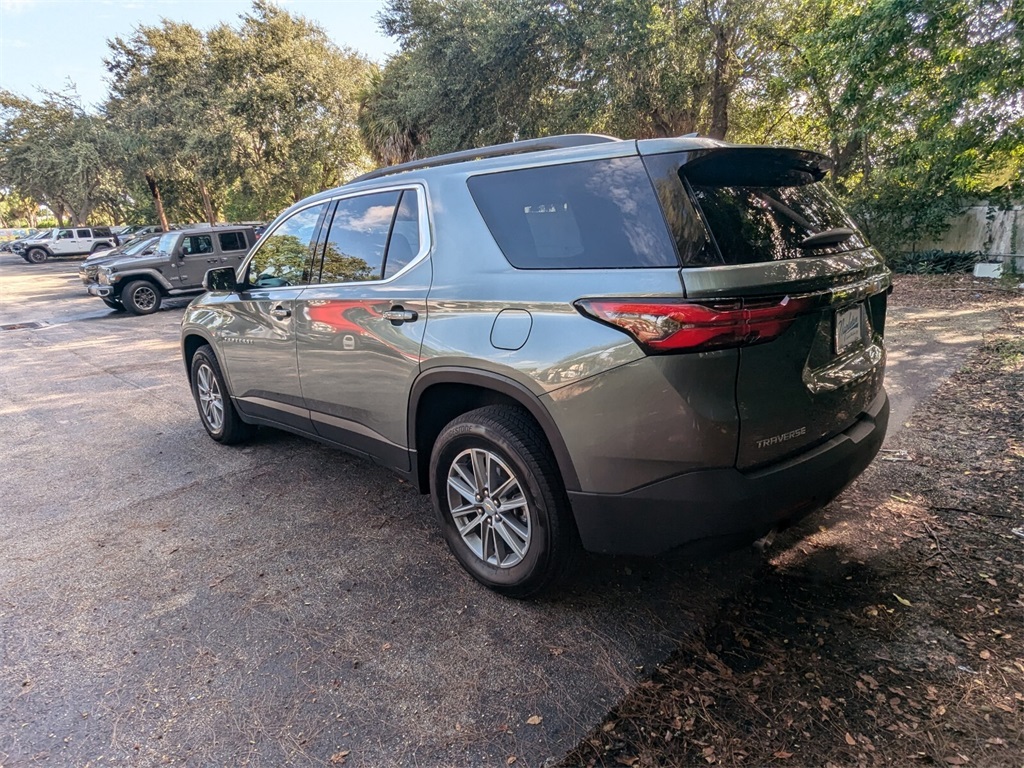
pixel 848 330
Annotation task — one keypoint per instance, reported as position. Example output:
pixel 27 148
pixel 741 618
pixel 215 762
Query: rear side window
pixel 85 234
pixel 596 214
pixel 232 241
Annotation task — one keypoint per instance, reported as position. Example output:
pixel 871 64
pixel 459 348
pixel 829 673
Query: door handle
pixel 280 313
pixel 397 315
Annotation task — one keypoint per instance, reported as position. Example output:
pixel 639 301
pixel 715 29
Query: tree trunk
pixel 157 201
pixel 720 87
pixel 211 216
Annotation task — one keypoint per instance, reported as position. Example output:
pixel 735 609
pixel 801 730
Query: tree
pixel 53 152
pixel 171 115
pixel 291 99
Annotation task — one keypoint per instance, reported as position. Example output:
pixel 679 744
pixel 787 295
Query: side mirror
pixel 221 280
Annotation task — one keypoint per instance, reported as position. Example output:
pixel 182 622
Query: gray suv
pixel 138 282
pixel 624 345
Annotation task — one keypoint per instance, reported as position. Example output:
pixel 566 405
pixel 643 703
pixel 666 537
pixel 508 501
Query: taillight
pixel 677 325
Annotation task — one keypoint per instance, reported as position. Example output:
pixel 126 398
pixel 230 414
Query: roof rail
pixel 498 150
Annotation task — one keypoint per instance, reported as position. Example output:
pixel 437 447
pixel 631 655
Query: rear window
pixel 758 224
pixel 597 214
pixel 759 205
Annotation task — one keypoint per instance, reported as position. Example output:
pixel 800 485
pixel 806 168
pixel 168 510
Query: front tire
pixel 216 411
pixel 36 256
pixel 501 503
pixel 141 297
pixel 117 306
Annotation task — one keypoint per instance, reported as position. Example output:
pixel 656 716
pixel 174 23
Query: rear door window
pixel 596 214
pixel 232 241
pixel 358 238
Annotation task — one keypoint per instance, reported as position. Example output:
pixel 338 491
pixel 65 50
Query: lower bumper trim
pixel 726 503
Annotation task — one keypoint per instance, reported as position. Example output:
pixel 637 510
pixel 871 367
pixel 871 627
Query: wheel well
pixel 189 346
pixel 440 403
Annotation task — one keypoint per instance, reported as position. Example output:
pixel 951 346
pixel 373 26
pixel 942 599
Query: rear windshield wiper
pixel 828 237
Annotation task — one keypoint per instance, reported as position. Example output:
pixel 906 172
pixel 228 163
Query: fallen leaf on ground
pixel 534 720
pixel 850 740
pixel 338 758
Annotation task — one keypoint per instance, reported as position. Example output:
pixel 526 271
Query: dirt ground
pixel 887 629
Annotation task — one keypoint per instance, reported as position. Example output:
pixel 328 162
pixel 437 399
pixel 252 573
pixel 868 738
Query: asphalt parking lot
pixel 166 600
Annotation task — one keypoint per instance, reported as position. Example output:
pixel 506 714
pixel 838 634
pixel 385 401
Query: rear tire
pixel 141 297
pixel 36 256
pixel 501 503
pixel 216 411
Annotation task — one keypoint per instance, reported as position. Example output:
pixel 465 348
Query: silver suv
pixel 624 345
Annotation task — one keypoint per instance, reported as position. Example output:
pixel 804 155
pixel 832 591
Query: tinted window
pixel 597 214
pixel 232 241
pixel 405 234
pixel 65 234
pixel 758 224
pixel 196 245
pixel 84 233
pixel 357 238
pixel 284 256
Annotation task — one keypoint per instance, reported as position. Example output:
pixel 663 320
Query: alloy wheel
pixel 211 401
pixel 490 510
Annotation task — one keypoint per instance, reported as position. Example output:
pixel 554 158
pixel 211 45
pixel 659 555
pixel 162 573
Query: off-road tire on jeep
pixel 100 247
pixel 501 444
pixel 36 255
pixel 141 297
pixel 210 391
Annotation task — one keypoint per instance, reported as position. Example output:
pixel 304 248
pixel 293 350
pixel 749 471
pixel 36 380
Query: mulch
pixel 887 629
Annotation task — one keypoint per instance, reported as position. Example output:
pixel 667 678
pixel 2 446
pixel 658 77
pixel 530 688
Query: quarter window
pixel 285 255
pixel 597 214
pixel 405 234
pixel 358 237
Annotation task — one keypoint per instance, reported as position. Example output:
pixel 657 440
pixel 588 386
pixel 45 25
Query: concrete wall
pixel 994 232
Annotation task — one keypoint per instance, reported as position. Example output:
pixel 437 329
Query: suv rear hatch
pixel 760 238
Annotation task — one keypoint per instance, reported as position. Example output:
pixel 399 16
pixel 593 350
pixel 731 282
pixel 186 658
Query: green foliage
pixel 934 262
pixel 55 153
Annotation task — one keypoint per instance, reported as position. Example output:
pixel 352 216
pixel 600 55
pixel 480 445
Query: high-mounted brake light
pixel 674 325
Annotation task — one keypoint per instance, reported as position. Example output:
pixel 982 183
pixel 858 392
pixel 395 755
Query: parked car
pixel 15 236
pixel 88 271
pixel 175 267
pixel 629 345
pixel 136 231
pixel 66 241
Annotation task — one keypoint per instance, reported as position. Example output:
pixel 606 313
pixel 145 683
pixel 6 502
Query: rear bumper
pixel 727 503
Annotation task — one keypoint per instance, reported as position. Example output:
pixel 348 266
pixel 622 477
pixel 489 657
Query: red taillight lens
pixel 674 325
